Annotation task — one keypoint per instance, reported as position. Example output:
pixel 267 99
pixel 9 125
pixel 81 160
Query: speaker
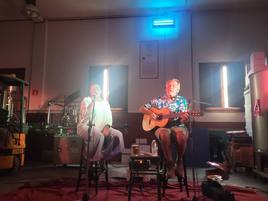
pixel 67 150
pixel 197 152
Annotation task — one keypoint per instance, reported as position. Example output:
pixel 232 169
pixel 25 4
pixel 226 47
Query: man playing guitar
pixel 169 128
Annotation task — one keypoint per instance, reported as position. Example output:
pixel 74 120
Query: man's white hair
pixel 173 79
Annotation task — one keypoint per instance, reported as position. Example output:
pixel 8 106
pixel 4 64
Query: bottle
pixel 154 148
pixel 135 150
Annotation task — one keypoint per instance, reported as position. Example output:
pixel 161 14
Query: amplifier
pixel 67 150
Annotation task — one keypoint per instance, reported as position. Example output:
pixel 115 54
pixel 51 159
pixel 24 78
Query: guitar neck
pixel 164 115
pixel 172 115
pixel 175 115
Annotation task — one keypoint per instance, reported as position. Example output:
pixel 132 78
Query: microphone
pixel 93 97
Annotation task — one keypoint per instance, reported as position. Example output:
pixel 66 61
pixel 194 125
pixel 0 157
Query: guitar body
pixel 164 115
pixel 148 123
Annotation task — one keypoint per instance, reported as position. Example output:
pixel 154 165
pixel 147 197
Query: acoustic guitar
pixel 163 115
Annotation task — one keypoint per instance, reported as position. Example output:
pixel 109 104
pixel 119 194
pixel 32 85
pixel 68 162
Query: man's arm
pixel 185 115
pixel 147 111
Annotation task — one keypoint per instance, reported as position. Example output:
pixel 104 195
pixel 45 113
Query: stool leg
pixel 164 180
pixel 141 185
pixel 158 186
pixel 185 180
pixel 79 177
pixel 164 186
pixel 96 177
pixel 80 170
pixel 90 173
pixel 131 180
pixel 180 182
pixel 107 176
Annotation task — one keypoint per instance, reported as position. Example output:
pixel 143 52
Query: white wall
pixel 73 46
pixel 57 54
pixel 16 45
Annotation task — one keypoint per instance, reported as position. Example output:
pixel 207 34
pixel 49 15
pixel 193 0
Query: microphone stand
pixel 191 119
pixel 90 125
pixel 49 113
pixel 194 172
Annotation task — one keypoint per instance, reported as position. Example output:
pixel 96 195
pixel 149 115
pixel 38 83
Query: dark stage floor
pixel 37 173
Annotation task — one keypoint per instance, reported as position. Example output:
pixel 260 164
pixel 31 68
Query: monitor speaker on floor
pixel 197 152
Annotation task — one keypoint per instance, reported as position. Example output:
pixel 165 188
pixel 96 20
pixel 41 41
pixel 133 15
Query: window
pixel 222 84
pixel 114 82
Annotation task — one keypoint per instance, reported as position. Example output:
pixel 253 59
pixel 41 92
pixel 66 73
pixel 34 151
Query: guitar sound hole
pixel 159 117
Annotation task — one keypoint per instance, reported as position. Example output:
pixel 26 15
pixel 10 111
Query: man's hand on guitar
pixel 153 116
pixel 184 117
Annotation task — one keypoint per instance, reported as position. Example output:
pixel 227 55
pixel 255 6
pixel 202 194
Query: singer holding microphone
pixel 105 141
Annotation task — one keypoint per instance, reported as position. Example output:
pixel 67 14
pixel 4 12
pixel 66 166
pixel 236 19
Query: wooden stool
pixel 95 169
pixel 145 165
pixel 182 181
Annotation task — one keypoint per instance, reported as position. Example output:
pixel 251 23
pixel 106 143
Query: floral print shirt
pixel 177 105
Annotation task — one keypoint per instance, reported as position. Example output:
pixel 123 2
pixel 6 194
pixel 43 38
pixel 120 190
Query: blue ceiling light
pixel 168 26
pixel 163 22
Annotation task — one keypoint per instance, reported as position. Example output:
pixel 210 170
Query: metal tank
pixel 259 109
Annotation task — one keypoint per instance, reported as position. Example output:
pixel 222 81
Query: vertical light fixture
pixel 105 88
pixel 224 77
